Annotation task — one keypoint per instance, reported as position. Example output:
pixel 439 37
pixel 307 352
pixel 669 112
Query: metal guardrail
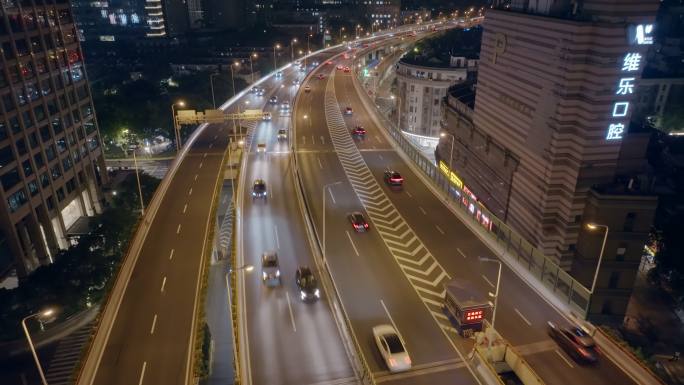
pixel 557 280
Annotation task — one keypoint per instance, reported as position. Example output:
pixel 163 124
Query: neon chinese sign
pixel 631 64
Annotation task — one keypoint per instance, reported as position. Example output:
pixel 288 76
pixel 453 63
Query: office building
pixel 51 163
pixel 549 145
pixel 420 89
pixel 109 21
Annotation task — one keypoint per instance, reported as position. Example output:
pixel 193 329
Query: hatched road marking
pixel 422 270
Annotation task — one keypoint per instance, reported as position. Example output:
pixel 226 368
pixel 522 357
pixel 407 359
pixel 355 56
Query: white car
pixel 266 116
pixel 392 348
pixel 261 147
pixel 285 105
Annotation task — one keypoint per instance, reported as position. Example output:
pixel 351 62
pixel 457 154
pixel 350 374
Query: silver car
pixel 270 269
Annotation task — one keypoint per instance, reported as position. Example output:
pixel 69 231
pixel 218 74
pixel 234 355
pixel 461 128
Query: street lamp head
pixel 249 268
pixel 47 312
pixel 277 46
pixel 294 40
pixel 442 134
pixel 592 226
pixel 181 103
pixel 254 55
pixel 485 259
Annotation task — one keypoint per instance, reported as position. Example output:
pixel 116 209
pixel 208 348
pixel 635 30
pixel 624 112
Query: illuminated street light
pixel 596 226
pixel 43 316
pixel 275 62
pixel 498 283
pixel 176 129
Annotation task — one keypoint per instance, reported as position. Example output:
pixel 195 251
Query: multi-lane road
pixel 392 274
pixel 397 270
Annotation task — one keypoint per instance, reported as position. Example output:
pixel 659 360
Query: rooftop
pixel 438 50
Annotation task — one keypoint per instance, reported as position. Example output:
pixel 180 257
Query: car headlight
pixel 317 293
pixel 264 275
pixel 277 273
pixel 302 294
pixel 254 194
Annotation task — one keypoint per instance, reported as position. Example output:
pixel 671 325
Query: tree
pixel 669 264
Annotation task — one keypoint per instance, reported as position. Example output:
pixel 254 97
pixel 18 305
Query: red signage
pixel 473 316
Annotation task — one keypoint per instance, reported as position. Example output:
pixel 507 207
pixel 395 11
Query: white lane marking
pixel 215 137
pixel 409 194
pixel 154 323
pixel 439 229
pixel 422 210
pixel 352 243
pixel 201 163
pixel 322 139
pixel 488 281
pixel 211 145
pixel 564 359
pixel 332 196
pixel 204 156
pixel 142 373
pixel 277 240
pixel 313 140
pixel 171 255
pixel 163 284
pixel 319 163
pixel 377 138
pixel 185 208
pixel 190 191
pixel 460 252
pixel 178 229
pixel 392 321
pixel 380 156
pixel 196 176
pixel 303 139
pixel 523 317
pixel 289 305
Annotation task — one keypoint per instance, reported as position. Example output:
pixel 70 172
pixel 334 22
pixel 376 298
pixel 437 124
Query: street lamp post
pixel 175 123
pixel 44 313
pixel 251 65
pixel 211 85
pixel 594 226
pixel 498 283
pixel 275 62
pixel 232 75
pixel 341 30
pixel 292 43
pixel 325 189
pixel 137 177
pixel 451 159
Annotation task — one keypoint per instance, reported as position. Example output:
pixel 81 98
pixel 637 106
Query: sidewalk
pixel 651 324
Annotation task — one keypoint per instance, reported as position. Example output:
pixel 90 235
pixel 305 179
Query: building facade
pixel 555 93
pixel 51 163
pixel 421 90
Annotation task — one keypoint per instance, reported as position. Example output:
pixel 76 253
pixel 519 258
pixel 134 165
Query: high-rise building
pixel 549 146
pixel 109 21
pixel 51 163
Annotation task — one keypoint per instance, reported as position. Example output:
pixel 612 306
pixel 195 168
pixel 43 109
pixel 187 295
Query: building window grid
pixel 82 104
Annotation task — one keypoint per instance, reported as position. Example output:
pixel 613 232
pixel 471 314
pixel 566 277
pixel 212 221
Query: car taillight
pixel 365 225
pixel 407 360
pixel 392 362
pixel 396 179
pixel 356 226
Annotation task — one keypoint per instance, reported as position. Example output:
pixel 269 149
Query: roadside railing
pixel 558 281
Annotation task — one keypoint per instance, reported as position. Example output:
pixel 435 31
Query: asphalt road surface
pixel 375 266
pixel 290 341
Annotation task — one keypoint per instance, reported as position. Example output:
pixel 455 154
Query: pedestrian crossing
pixel 60 370
pixel 425 274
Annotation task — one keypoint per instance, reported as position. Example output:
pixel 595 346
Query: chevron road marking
pixel 422 270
